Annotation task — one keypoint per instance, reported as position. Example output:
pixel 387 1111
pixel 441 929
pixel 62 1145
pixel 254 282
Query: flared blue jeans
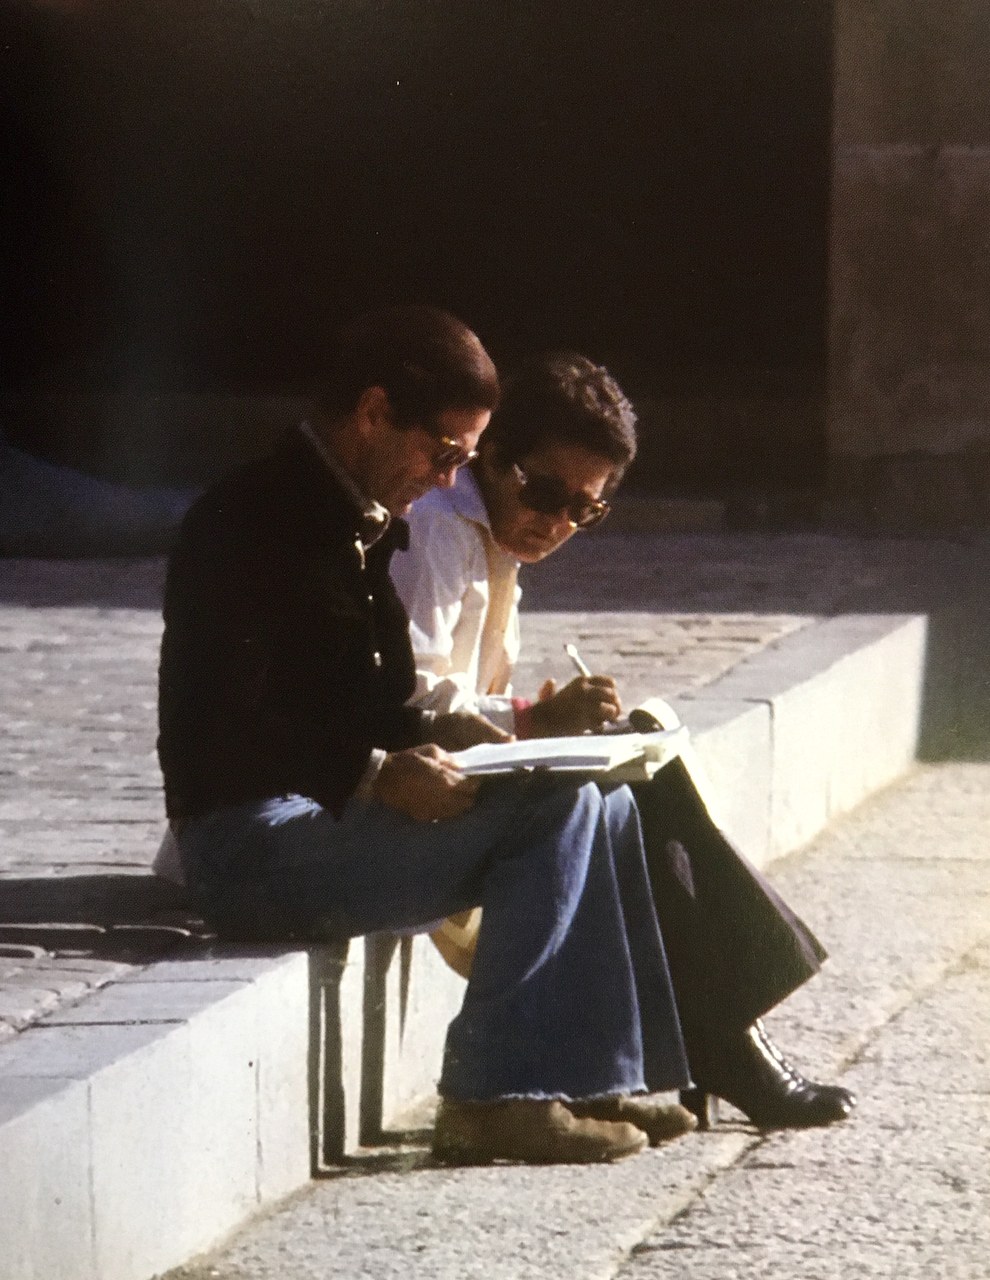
pixel 570 994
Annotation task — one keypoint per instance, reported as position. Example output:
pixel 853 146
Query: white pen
pixel 575 657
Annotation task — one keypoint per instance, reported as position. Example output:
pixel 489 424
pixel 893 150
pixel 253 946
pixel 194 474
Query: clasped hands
pixel 425 784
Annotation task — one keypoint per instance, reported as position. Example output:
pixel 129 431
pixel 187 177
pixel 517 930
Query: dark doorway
pixel 195 193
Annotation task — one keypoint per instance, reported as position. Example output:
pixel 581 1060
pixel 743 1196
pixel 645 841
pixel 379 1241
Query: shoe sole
pixel 464 1157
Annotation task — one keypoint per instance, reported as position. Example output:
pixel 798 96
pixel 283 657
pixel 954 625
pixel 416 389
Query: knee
pixel 620 805
pixel 561 801
pixel 571 817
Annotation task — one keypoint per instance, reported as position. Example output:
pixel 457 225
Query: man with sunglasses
pixel 556 450
pixel 308 798
pixel 546 467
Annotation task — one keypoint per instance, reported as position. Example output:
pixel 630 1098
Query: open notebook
pixel 623 757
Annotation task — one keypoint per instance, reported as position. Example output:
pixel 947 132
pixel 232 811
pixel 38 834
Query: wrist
pixel 542 720
pixel 524 725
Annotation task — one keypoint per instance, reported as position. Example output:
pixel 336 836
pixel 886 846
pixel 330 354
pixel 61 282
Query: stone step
pixel 139 1127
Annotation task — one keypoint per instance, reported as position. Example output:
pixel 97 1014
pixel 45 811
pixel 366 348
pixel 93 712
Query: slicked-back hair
pixel 425 359
pixel 564 398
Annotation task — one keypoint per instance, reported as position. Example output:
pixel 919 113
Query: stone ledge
pixel 139 1127
pixel 844 700
pixel 183 1093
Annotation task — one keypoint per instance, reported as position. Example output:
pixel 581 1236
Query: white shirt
pixel 455 582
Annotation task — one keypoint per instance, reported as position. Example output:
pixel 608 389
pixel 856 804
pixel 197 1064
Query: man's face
pixel 408 462
pixel 567 475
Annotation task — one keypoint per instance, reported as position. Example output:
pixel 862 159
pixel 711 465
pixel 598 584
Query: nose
pixel 445 479
pixel 560 525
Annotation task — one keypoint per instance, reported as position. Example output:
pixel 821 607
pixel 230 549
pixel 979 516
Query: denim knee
pixel 619 802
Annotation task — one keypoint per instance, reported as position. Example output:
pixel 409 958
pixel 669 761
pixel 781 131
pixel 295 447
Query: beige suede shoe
pixel 528 1132
pixel 660 1121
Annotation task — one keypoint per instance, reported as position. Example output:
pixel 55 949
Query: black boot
pixel 748 1070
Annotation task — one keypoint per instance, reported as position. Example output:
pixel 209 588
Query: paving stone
pixel 130 1004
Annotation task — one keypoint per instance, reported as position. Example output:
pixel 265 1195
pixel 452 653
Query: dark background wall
pixel 195 192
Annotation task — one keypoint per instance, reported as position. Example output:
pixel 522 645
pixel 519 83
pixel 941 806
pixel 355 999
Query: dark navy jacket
pixel 286 655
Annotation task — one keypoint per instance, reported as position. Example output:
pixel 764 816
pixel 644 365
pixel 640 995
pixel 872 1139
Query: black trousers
pixel 734 947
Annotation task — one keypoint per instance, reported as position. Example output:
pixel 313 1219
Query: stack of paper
pixel 623 757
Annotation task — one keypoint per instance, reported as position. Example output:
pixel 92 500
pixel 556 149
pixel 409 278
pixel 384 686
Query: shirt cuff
pixel 497 708
pixel 364 789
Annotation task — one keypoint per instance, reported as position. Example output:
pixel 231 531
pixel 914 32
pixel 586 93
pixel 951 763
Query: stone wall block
pixel 165 1122
pixel 281 1035
pixel 911 70
pixel 411 996
pixel 337 1049
pixel 911 301
pixel 909 348
pixel 46 1205
pixel 733 743
pixel 859 680
pixel 143 1125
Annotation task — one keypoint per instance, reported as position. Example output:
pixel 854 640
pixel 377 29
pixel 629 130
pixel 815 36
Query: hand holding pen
pixel 584 705
pixel 640 720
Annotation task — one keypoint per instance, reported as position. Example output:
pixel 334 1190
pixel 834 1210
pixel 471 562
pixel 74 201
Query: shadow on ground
pixel 133 919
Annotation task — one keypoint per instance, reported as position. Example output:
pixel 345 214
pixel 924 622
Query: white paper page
pixel 583 753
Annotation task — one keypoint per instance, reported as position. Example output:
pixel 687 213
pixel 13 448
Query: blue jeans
pixel 569 997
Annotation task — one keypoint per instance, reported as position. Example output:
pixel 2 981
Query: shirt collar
pixel 465 498
pixel 375 518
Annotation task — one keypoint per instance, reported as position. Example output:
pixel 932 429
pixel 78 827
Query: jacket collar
pixel 374 519
pixel 316 483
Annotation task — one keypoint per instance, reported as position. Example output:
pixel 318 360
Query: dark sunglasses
pixel 549 497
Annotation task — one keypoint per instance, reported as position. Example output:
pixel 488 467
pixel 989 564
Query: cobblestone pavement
pixel 80 801
pixel 80 794
pixel 713 600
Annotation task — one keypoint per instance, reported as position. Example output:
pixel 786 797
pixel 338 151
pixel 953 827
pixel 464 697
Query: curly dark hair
pixel 563 397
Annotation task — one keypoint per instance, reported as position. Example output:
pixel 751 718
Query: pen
pixel 575 657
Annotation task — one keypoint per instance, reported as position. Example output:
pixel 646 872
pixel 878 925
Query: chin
pixel 531 553
pixel 528 546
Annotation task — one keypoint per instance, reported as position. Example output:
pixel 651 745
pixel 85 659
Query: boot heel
pixel 748 1071
pixel 702 1104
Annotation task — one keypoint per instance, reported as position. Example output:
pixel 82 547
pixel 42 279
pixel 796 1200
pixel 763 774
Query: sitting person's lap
pixel 374 868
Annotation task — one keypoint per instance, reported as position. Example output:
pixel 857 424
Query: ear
pixel 373 412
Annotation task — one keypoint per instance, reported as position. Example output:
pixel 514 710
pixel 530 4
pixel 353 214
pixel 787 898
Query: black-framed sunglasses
pixel 549 497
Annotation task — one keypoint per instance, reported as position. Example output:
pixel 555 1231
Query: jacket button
pixel 376 659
